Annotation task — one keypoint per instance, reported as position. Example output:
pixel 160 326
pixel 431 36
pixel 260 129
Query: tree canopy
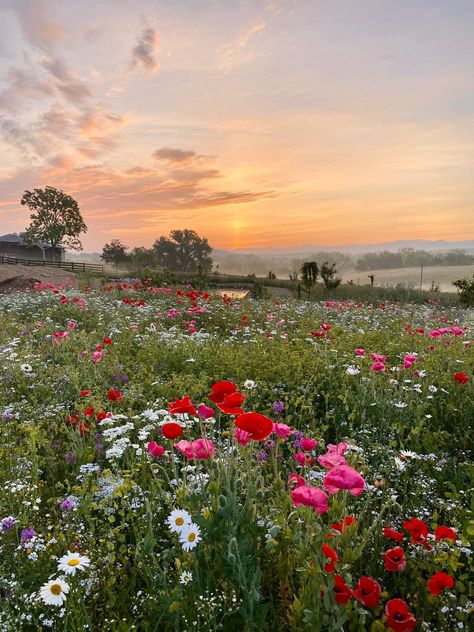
pixel 115 252
pixel 183 251
pixel 55 218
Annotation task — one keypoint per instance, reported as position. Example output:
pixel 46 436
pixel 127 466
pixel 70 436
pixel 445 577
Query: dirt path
pixel 14 278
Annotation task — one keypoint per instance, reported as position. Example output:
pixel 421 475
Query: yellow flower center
pixel 56 589
pixel 73 562
pixel 179 521
pixel 191 537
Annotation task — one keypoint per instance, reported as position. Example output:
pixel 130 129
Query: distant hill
pixel 417 244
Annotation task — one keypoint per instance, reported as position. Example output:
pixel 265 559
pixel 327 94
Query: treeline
pixel 411 258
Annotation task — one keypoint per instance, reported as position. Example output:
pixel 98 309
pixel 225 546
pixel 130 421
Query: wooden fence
pixel 74 266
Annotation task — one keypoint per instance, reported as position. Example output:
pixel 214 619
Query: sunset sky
pixel 256 123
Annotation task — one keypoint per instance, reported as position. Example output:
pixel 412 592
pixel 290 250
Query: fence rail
pixel 74 266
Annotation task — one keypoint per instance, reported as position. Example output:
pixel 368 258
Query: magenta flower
pixel 334 456
pixel 308 444
pixel 97 356
pixel 378 366
pixel 295 480
pixel 282 430
pixel 204 412
pixel 242 436
pixel 155 450
pixel 344 477
pixel 310 496
pixel 198 449
pixel 359 352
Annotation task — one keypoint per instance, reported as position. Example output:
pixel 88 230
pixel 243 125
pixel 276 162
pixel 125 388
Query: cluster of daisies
pixel 180 522
pixel 55 591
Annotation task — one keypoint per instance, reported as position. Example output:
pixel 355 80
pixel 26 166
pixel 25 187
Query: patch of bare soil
pixel 21 278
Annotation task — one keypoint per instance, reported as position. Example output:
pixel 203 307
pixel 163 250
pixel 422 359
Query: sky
pixel 254 122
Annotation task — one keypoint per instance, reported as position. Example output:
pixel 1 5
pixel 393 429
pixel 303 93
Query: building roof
pixel 13 238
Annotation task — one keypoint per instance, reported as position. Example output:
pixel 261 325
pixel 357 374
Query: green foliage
pixel 466 290
pixel 328 275
pixel 183 251
pixel 55 218
pixel 115 252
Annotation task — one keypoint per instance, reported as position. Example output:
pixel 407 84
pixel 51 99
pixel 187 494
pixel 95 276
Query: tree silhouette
pixel 309 274
pixel 183 251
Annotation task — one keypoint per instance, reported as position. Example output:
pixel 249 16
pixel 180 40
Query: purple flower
pixel 70 457
pixel 97 436
pixel 27 534
pixel 7 416
pixel 262 455
pixel 98 446
pixel 124 379
pixel 67 504
pixel 269 445
pixel 7 523
pixel 278 407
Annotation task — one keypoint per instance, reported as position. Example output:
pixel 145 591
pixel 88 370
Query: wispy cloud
pixel 144 53
pixel 235 51
pixel 172 154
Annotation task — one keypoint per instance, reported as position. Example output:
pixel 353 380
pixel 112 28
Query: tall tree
pixel 309 274
pixel 183 251
pixel 115 252
pixel 328 275
pixel 55 218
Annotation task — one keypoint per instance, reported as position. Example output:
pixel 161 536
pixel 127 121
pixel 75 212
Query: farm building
pixel 12 245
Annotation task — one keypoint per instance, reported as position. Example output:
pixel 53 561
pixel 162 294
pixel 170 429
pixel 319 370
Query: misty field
pixel 178 461
pixel 442 276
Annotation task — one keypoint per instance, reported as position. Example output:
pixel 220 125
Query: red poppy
pixel 445 533
pixel 461 378
pixel 331 555
pixel 83 428
pixel 89 411
pixel 114 395
pixel 439 582
pixel 341 590
pixel 418 530
pixel 345 523
pixel 258 426
pixel 367 592
pixel 399 617
pixel 219 389
pixel 391 533
pixel 73 419
pixel 172 430
pixel 100 416
pixel 182 406
pixel 231 404
pixel 106 341
pixel 84 393
pixel 394 559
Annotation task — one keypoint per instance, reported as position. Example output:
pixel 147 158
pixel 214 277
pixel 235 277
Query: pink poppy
pixel 304 459
pixel 295 480
pixel 344 477
pixel 359 352
pixel 198 449
pixel 154 449
pixel 378 366
pixel 310 496
pixel 334 456
pixel 204 412
pixel 308 444
pixel 282 430
pixel 242 436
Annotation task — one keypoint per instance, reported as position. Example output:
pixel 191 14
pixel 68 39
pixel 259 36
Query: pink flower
pixel 72 324
pixel 97 356
pixel 303 458
pixel 242 436
pixel 295 480
pixel 360 352
pixel 378 366
pixel 334 456
pixel 282 430
pixel 377 357
pixel 155 450
pixel 198 449
pixel 344 477
pixel 310 496
pixel 408 360
pixel 205 412
pixel 308 444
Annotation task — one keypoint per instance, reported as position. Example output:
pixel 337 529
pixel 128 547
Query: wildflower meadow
pixel 173 460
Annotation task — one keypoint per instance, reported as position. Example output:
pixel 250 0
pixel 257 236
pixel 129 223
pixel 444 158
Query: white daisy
pixel 178 520
pixel 72 562
pixel 185 577
pixel 352 370
pixel 26 368
pixel 250 383
pixel 54 592
pixel 189 536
